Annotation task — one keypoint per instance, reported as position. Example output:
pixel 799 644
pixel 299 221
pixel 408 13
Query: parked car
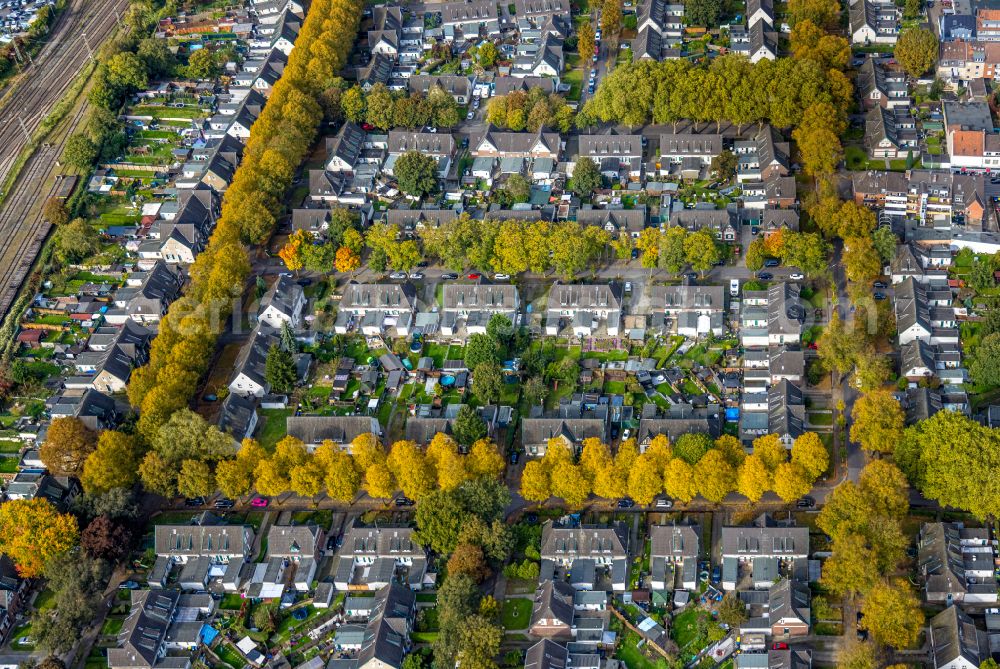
pixel 194 501
pixel 779 645
pixel 771 262
pixel 626 433
pixel 128 585
pixel 796 276
pixel 879 296
pixel 449 276
pixel 259 502
pixel 765 276
pixel 691 276
pixel 399 276
pixel 664 503
pixel 716 574
pixel 628 286
pixel 879 284
pixel 806 502
pixel 626 503
pixel 367 127
pixel 514 457
pixel 224 503
pixel 404 501
pixel 416 276
pixel 471 115
pixel 501 277
pixel 474 276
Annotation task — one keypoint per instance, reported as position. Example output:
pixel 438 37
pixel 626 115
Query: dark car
pixel 423 263
pixel 404 501
pixel 194 501
pixel 304 282
pixel 331 543
pixel 716 574
pixel 771 262
pixel 514 457
pixel 626 503
pixel 635 253
pixel 449 276
pixel 765 276
pixel 691 276
pixel 879 284
pixel 224 503
pixel 879 296
pixel 805 502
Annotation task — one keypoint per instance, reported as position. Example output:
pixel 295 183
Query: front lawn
pixel 112 626
pixel 274 427
pixel 516 613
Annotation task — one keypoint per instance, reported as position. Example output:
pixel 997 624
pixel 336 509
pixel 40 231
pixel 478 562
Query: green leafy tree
pixel 279 369
pixel 127 72
pixel 202 65
pixel 80 151
pixel 724 165
pixel 704 13
pixel 416 173
pixel 916 50
pixel 469 427
pixel 487 55
pixel 586 177
pixel 487 382
pixel 985 367
pixel 701 251
pixel 481 348
pixel 885 242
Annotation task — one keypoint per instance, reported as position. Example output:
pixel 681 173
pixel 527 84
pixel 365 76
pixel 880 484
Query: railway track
pixel 22 228
pixel 46 81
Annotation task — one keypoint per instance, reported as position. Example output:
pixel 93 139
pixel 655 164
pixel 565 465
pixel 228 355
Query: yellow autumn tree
pixel 535 482
pixel 32 532
pixel 346 260
pixel 484 460
pixel 291 252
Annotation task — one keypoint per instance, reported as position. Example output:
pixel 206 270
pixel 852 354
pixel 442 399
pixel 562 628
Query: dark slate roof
pixel 553 601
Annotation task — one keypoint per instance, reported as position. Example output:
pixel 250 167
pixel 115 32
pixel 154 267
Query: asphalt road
pixel 22 230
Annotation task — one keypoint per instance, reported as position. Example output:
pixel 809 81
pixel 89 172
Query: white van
pixel 734 287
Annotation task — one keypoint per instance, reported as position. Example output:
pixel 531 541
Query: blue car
pixel 716 574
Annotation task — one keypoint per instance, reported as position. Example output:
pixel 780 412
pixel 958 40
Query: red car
pixel 474 276
pixel 367 127
pixel 779 646
pixel 597 51
pixel 259 502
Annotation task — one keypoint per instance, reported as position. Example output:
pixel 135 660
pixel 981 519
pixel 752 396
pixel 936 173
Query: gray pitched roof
pixel 954 636
pixel 674 541
pixel 431 143
pixel 789 600
pixel 785 409
pixel 583 542
pixel 605 145
pixel 461 297
pixel 546 654
pixel 282 295
pixel 366 296
pixel 765 538
pixel 144 630
pixel 338 429
pixel 575 430
pixel 623 220
pixel 200 540
pixel 386 635
pixel 292 540
pixel 553 601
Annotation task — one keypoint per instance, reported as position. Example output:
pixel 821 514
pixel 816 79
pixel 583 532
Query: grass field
pixel 516 613
pixel 274 426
